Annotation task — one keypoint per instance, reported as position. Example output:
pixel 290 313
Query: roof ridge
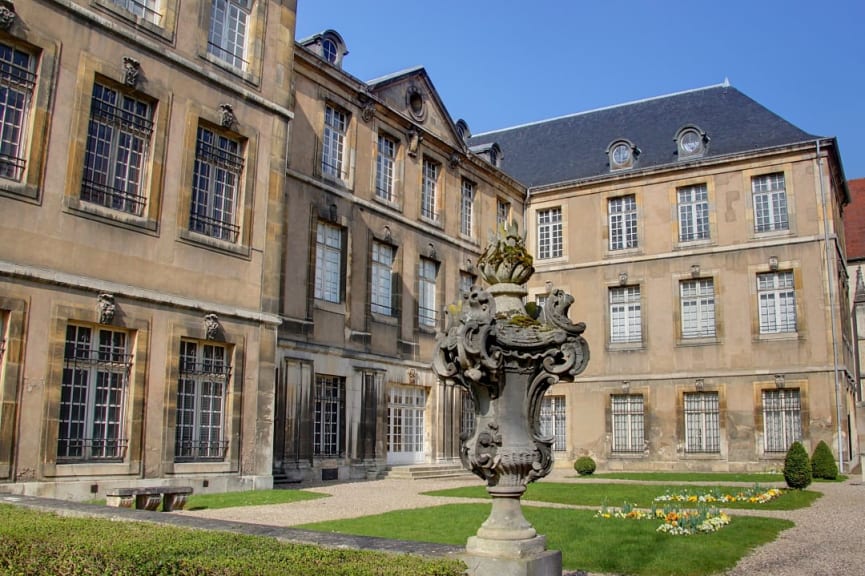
pixel 392 75
pixel 724 84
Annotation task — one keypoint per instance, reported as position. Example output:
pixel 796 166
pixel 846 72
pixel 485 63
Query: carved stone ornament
pixel 367 111
pixel 454 160
pixel 211 326
pixel 415 103
pixel 506 360
pixel 227 119
pixel 414 138
pixel 107 308
pixel 131 71
pixel 7 14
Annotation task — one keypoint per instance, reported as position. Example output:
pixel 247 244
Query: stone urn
pixel 507 358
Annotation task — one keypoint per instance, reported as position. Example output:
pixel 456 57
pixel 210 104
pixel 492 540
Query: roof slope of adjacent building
pixel 575 147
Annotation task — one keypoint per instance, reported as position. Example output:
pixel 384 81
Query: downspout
pixel 830 269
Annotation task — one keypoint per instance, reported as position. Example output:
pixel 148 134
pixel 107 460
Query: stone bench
pixel 149 498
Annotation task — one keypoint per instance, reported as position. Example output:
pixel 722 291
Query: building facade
pixel 702 237
pixel 389 211
pixel 141 180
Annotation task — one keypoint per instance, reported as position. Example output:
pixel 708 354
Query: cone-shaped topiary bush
pixel 823 462
pixel 797 467
pixel 584 465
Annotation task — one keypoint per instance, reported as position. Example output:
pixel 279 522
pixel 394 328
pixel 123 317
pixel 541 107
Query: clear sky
pixel 503 63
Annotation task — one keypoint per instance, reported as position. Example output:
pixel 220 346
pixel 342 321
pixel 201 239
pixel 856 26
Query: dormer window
pixel 463 130
pixel 691 141
pixel 622 154
pixel 328 45
pixel 328 50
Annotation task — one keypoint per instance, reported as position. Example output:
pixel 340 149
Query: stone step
pixel 426 471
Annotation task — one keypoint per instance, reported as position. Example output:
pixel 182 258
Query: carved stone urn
pixel 507 358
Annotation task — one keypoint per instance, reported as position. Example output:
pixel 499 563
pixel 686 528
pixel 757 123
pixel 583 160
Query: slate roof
pixel 574 147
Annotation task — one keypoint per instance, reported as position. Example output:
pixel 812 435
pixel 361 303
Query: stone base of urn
pixel 507 545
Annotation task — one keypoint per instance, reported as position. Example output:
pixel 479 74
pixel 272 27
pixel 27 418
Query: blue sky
pixel 504 63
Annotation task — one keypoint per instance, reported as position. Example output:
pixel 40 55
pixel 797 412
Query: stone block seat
pixel 149 497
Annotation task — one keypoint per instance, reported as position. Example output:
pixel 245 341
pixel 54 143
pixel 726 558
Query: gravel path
pixel 828 539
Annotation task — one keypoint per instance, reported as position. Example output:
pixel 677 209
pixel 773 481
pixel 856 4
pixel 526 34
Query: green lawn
pixel 587 543
pixel 640 495
pixel 249 498
pixel 751 478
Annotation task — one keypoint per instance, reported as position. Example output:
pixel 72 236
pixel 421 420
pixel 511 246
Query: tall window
pixel 467 207
pixel 118 141
pixel 229 26
pixel 770 203
pixel 549 233
pixel 17 79
pixel 467 416
pixel 216 185
pixel 625 314
pixel 628 423
pixel 467 280
pixel 328 262
pixel 146 9
pixel 201 394
pixel 427 270
pixel 329 425
pixel 503 212
pixel 782 419
pixel 429 190
pixel 698 308
pixel 382 278
pixel 384 168
pixel 96 365
pixel 777 300
pixel 693 213
pixel 333 148
pixel 622 214
pixel 553 422
pixel 702 425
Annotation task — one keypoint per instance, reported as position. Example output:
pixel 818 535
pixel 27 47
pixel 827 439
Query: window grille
pixel 385 168
pixel 328 262
pixel 623 222
pixel 625 314
pixel 382 278
pixel 693 213
pixel 628 423
pixel 118 143
pixel 229 26
pixel 429 190
pixel 201 395
pixel 216 186
pixel 553 421
pixel 782 419
pixel 698 308
pixel 770 203
pixel 702 422
pixel 96 366
pixel 549 233
pixel 467 416
pixel 777 302
pixel 17 81
pixel 329 424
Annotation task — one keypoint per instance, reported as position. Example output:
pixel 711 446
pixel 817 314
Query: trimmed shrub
pixel 584 465
pixel 823 462
pixel 797 467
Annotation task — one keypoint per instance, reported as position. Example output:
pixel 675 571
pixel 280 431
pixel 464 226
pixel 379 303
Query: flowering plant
pixel 755 495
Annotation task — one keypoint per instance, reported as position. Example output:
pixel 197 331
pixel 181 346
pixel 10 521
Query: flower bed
pixel 755 495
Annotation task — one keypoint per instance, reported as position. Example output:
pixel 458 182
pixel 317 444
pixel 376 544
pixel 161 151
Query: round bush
pixel 823 462
pixel 797 467
pixel 584 465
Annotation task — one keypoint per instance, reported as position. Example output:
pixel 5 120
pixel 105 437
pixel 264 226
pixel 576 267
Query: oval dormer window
pixel 622 154
pixel 691 142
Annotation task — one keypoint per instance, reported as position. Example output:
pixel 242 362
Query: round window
pixel 691 142
pixel 621 154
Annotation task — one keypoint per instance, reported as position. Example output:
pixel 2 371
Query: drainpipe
pixel 830 269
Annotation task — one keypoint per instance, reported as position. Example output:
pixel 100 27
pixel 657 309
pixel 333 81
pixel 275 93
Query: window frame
pixel 629 307
pixel 253 41
pixel 633 415
pixel 427 275
pixel 553 421
pixel 429 198
pixel 108 366
pixel 693 213
pixel 162 15
pixel 468 193
pixel 234 162
pixel 789 410
pixel 701 413
pixel 705 316
pixel 333 163
pixel 775 317
pixel 326 234
pixel 328 416
pixel 198 371
pixel 623 223
pixel 18 83
pixel 550 233
pixel 385 168
pixel 235 14
pixel 382 279
pixel 772 214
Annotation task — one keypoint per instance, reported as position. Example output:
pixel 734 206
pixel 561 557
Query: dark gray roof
pixel 574 147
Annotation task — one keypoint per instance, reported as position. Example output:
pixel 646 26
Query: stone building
pixel 854 227
pixel 141 184
pixel 389 210
pixel 701 235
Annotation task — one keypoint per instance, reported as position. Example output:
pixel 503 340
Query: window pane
pixel 215 186
pixel 201 396
pixel 550 233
